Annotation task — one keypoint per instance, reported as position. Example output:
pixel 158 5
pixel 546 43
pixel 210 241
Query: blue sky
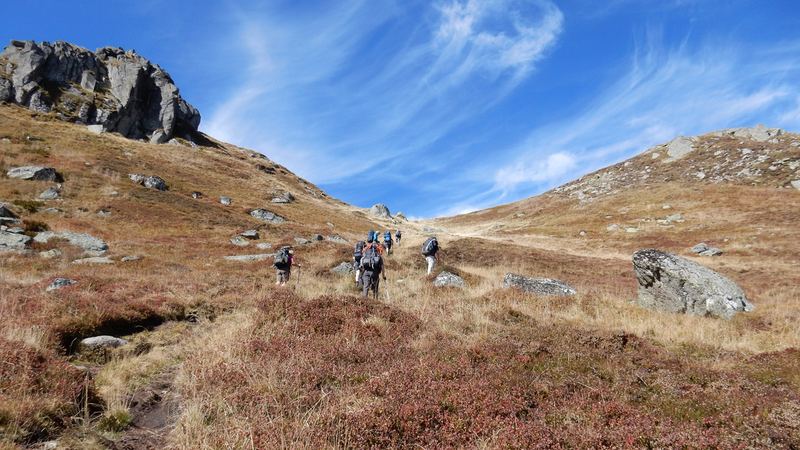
pixel 445 106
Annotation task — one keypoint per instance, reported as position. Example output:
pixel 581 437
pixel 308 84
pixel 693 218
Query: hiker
pixel 387 241
pixel 371 265
pixel 429 249
pixel 358 252
pixel 397 236
pixel 284 260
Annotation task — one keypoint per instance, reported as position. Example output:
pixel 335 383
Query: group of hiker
pixel 368 258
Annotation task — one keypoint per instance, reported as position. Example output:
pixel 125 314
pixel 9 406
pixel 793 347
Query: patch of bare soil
pixel 154 408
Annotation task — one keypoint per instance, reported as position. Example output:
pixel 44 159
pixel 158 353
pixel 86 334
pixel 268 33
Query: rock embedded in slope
pixel 249 234
pixel 149 181
pixel 119 90
pixel 94 260
pixel 13 241
pixel 225 201
pixel 380 211
pixel 267 216
pixel 6 214
pixel 97 342
pixel 670 283
pixel 343 268
pixel 50 254
pixel 703 249
pixel 51 193
pixel 679 147
pixel 239 241
pixel 538 286
pixel 283 197
pixel 338 239
pixel 83 241
pixel 35 173
pixel 447 279
pixel 60 283
pixel 796 184
pixel 250 258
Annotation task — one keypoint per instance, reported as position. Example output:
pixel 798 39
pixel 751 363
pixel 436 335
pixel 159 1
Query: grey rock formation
pixel 538 286
pixel 51 193
pixel 249 234
pixel 59 283
pixel 447 279
pixel 283 197
pixel 796 184
pixel 102 342
pixel 703 249
pixel 343 268
pixel 81 240
pixel 225 201
pixel 679 147
pixel 6 213
pixel 267 216
pixel 240 241
pixel 94 260
pixel 758 133
pixel 13 241
pixel 400 216
pixel 249 258
pixel 151 181
pixel 131 258
pixel 380 211
pixel 36 173
pixel 117 89
pixel 674 284
pixel 50 254
pixel 338 239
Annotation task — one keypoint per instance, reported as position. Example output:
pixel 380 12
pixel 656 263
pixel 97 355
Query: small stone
pixel 131 258
pixel 51 193
pixel 60 283
pixel 796 184
pixel 263 246
pixel 539 286
pixel 666 207
pixel 50 254
pixel 267 216
pixel 700 248
pixel 96 129
pixel 283 197
pixel 225 201
pixel 338 239
pixel 447 279
pixel 631 230
pixel 102 342
pixel 249 234
pixel 582 233
pixel 94 260
pixel 612 227
pixel 239 241
pixel 197 194
pixel 249 258
pixel 154 182
pixel 317 237
pixel 104 213
pixel 301 241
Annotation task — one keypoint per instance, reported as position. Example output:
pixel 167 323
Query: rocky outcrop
pixel 447 279
pixel 81 240
pixel 343 268
pixel 13 241
pixel 282 197
pixel 35 173
pixel 151 182
pixel 267 216
pixel 94 260
pixel 674 284
pixel 60 283
pixel 51 193
pixel 679 147
pixel 117 89
pixel 538 286
pixel 380 211
pixel 6 214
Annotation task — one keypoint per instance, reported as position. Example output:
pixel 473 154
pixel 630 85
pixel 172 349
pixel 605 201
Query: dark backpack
pixel 359 251
pixel 372 260
pixel 430 247
pixel 281 259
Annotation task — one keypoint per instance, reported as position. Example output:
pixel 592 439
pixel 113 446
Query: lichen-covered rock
pixel 239 241
pixel 447 279
pixel 82 240
pixel 119 90
pixel 149 181
pixel 538 286
pixel 35 173
pixel 13 241
pixel 670 283
pixel 267 216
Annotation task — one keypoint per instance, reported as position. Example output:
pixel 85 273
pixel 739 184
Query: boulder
pixel 249 258
pixel 6 212
pixel 13 241
pixel 679 147
pixel 37 173
pixel 225 201
pixel 380 211
pixel 538 286
pixel 97 342
pixel 249 234
pixel 400 216
pixel 343 268
pixel 96 129
pixel 119 90
pixel 338 239
pixel 84 241
pixel 50 254
pixel 267 216
pixel 758 133
pixel 704 250
pixel 447 279
pixel 16 230
pixel 240 241
pixel 149 181
pixel 59 283
pixel 796 184
pixel 670 283
pixel 197 194
pixel 94 260
pixel 51 193
pixel 283 197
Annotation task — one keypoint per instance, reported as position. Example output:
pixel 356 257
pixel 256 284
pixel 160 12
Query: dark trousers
pixel 370 280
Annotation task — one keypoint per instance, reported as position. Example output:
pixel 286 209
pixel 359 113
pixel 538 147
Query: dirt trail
pixel 155 409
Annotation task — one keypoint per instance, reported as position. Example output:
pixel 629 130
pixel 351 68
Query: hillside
pixel 216 356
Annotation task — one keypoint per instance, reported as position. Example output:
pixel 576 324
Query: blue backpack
pixel 387 236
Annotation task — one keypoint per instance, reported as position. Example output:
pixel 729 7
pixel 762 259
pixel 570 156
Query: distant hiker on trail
pixel 284 260
pixel 387 241
pixel 397 236
pixel 429 249
pixel 358 252
pixel 371 265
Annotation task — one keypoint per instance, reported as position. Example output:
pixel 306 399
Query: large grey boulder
pixel 97 342
pixel 758 133
pixel 60 283
pixel 35 173
pixel 267 216
pixel 670 283
pixel 13 241
pixel 447 279
pixel 538 286
pixel 283 197
pixel 149 181
pixel 117 89
pixel 380 211
pixel 81 240
pixel 679 147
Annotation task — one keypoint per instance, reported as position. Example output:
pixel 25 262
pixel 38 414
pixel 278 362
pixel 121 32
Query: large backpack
pixel 430 246
pixel 281 259
pixel 372 260
pixel 387 236
pixel 359 251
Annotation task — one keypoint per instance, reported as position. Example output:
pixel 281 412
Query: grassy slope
pixel 313 366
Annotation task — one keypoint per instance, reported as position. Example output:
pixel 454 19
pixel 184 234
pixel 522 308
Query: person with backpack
pixel 358 252
pixel 397 236
pixel 284 260
pixel 371 265
pixel 387 241
pixel 429 249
